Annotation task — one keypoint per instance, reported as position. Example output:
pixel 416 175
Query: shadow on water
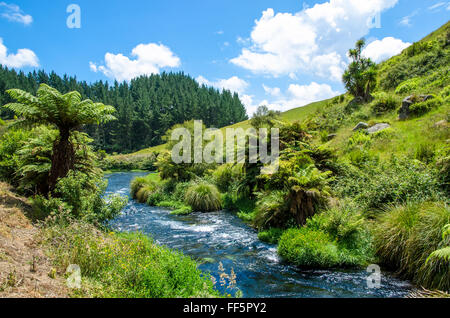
pixel 222 237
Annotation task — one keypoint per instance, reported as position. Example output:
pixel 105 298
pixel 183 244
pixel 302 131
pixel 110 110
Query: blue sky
pixel 281 53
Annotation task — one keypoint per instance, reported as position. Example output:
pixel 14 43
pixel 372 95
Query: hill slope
pixel 426 62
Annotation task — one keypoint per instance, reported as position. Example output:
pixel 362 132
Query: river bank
pixel 221 237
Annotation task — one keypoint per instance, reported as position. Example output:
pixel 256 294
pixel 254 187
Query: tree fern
pixel 68 113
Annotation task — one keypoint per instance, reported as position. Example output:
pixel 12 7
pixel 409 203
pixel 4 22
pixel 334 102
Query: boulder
pixel 331 136
pixel 408 101
pixel 378 127
pixel 404 110
pixel 360 126
pixel 440 124
pixel 426 97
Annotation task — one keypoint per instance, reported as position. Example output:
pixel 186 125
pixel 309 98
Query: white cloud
pixel 23 57
pixel 381 50
pixel 406 21
pixel 305 42
pixel 438 5
pixel 233 84
pixel 301 95
pixel 149 59
pixel 12 12
pixel 273 91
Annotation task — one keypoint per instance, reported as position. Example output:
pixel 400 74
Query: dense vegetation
pixel 355 184
pixel 146 107
pixel 71 205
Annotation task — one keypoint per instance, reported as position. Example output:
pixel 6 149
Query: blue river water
pixel 216 237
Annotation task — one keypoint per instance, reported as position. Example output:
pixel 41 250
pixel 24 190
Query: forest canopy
pixel 146 107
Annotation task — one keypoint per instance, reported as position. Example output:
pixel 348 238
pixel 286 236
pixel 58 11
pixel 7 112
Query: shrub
pixel 336 237
pixel 272 210
pixel 425 153
pixel 359 140
pixel 80 196
pixel 129 162
pixel 419 109
pixel 183 210
pixel 203 197
pixel 271 236
pixel 407 235
pixel 308 248
pixel 383 103
pixel 10 143
pixel 226 175
pixel 375 185
pixel 408 86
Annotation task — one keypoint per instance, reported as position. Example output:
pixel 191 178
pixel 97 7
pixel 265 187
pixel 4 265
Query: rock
pixel 408 101
pixel 331 136
pixel 426 97
pixel 360 126
pixel 377 128
pixel 440 124
pixel 404 110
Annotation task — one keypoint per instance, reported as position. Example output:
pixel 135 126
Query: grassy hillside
pixel 357 183
pixel 428 72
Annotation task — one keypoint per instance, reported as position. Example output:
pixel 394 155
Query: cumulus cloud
pixel 301 95
pixel 12 12
pixel 273 91
pixel 233 84
pixel 148 59
pixel 305 42
pixel 23 57
pixel 381 50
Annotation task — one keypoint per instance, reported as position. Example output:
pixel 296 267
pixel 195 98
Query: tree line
pixel 146 106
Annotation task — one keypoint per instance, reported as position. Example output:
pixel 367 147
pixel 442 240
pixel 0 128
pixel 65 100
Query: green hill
pixel 423 68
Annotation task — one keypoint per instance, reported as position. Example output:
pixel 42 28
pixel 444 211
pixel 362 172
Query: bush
pixel 226 175
pixel 142 187
pixel 203 197
pixel 425 153
pixel 272 210
pixel 383 103
pixel 129 162
pixel 308 248
pixel 10 144
pixel 407 235
pixel 271 236
pixel 183 210
pixel 359 140
pixel 408 86
pixel 80 196
pixel 419 109
pixel 375 185
pixel 125 265
pixel 336 237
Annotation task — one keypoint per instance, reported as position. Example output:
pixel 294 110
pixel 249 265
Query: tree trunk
pixel 302 205
pixel 62 158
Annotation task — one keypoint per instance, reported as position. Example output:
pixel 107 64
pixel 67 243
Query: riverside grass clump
pixel 203 197
pixel 336 237
pixel 124 265
pixel 411 238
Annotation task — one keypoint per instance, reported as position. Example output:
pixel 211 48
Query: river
pixel 216 237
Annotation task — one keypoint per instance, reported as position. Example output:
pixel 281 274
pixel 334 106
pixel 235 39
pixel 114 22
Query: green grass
pixel 203 197
pixel 406 238
pixel 125 265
